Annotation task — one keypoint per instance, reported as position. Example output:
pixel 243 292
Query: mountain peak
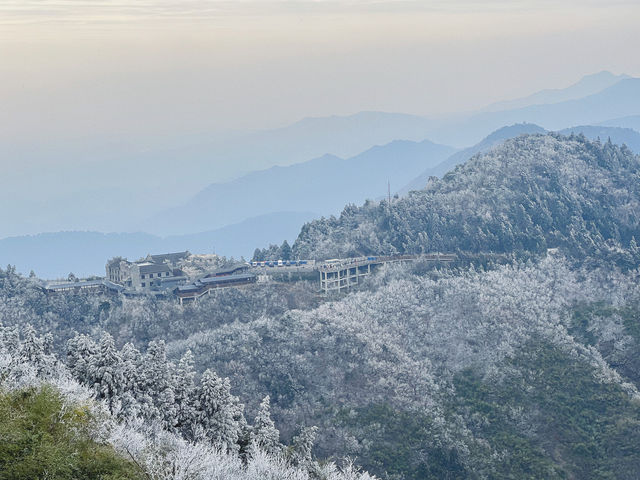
pixel 587 85
pixel 514 130
pixel 493 186
pixel 603 75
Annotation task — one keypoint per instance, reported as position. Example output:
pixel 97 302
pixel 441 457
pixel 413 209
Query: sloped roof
pixel 81 283
pixel 169 257
pixel 52 286
pixel 188 288
pixel 226 278
pixel 238 267
pixel 153 268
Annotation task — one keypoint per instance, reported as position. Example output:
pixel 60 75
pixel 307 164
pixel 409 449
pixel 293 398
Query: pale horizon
pixel 167 67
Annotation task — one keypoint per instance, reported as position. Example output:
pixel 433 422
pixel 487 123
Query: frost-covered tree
pixel 285 251
pixel 35 350
pixel 80 349
pixel 184 396
pixel 219 411
pixel 157 383
pixel 9 339
pixel 264 434
pixel 131 365
pixel 106 374
pixel 302 447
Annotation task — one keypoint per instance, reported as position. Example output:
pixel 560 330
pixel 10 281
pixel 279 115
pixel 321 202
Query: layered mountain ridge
pixel 530 193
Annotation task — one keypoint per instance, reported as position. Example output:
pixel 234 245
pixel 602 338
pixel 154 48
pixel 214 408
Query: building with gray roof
pixel 170 258
pixel 150 272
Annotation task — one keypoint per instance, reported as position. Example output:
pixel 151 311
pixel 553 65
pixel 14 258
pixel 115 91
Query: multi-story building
pixel 119 271
pixel 150 272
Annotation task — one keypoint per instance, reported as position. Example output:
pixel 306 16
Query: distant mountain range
pixel 323 185
pixel 113 184
pixel 55 255
pixel 619 100
pixel 588 85
pixel 632 121
pixel 166 188
pixel 594 99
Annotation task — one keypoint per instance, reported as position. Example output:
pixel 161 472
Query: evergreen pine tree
pixel 154 370
pixel 265 435
pixel 33 351
pixel 184 396
pixel 157 383
pixel 258 255
pixel 303 446
pixel 106 375
pixel 131 361
pixel 285 251
pixel 10 339
pixel 80 349
pixel 219 413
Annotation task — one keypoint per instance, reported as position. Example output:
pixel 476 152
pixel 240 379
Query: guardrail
pixel 372 260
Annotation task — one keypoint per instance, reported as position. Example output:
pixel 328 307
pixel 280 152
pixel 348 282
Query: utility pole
pixel 389 192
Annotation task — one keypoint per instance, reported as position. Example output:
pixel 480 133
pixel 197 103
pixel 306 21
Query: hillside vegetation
pixel 43 438
pixel 626 136
pixel 135 418
pixel 532 193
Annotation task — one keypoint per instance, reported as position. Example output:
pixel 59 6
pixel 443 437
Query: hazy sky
pixel 73 68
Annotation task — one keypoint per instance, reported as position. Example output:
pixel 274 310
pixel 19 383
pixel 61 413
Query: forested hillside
pixel 532 193
pixel 487 143
pixel 627 136
pixel 618 135
pixel 527 369
pixel 515 362
pixel 137 416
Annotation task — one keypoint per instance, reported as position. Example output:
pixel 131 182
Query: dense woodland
pixel 531 193
pixel 516 362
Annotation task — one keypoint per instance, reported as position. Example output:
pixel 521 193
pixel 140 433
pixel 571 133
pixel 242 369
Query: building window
pixel 143 284
pixel 142 276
